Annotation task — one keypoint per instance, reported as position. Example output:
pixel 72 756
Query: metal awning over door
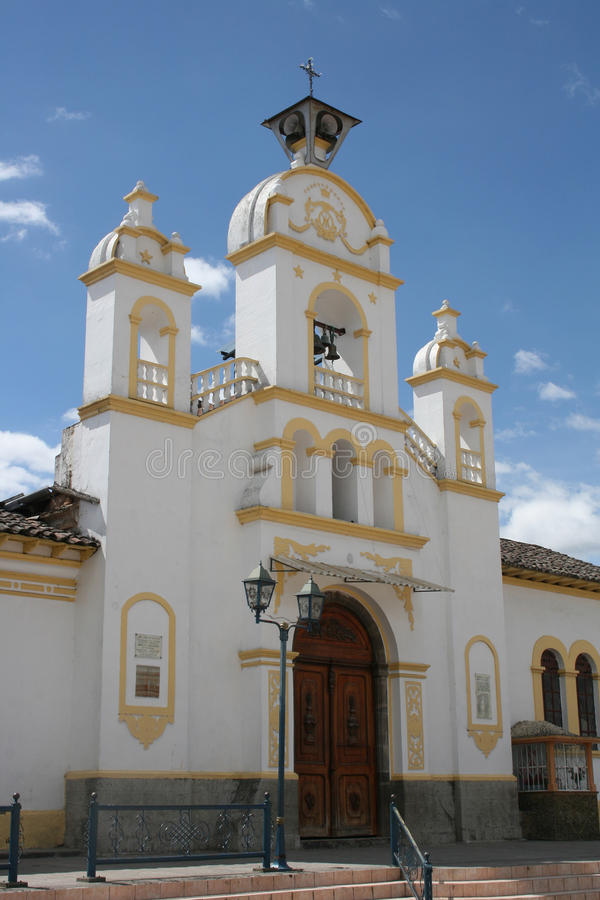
pixel 349 574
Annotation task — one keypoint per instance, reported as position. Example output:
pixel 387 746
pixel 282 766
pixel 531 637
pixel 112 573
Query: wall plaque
pixel 148 646
pixel 483 696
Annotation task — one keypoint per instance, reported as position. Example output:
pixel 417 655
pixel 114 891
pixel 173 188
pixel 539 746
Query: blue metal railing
pixel 415 865
pixel 12 866
pixel 135 833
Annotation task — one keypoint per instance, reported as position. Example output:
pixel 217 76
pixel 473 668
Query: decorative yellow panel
pixel 414 725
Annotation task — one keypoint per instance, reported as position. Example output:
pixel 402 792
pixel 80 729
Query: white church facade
pixel 138 670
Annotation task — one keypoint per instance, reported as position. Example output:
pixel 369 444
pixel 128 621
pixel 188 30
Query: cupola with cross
pixel 314 293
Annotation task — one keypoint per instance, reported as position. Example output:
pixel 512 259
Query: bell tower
pixel 314 293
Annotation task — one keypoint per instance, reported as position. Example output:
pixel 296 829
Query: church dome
pixel 248 220
pixel 104 250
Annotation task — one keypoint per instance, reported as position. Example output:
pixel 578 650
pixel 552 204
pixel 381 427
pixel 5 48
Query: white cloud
pixel 26 463
pixel 528 361
pixel 71 416
pixel 517 431
pixel 215 278
pixel 62 114
pixel 583 423
pixel 21 167
pixel 551 391
pixel 539 23
pixel 199 336
pixel 555 514
pixel 577 83
pixel 390 13
pixel 26 212
pixel 17 234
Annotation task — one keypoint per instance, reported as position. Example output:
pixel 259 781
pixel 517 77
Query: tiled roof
pixel 15 523
pixel 517 555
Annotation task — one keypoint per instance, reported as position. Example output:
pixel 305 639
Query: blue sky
pixel 479 149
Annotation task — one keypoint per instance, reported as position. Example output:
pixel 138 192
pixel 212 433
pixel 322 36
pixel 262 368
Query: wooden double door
pixel 334 727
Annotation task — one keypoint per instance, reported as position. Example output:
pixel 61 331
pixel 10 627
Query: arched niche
pixel 152 351
pixel 470 456
pixel 344 481
pixel 345 380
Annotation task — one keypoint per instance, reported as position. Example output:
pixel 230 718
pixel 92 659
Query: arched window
pixel 303 473
pixel 152 351
pixel 344 492
pixel 585 696
pixel 551 688
pixel 469 425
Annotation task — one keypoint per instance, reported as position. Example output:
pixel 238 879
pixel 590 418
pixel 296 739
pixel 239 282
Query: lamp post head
pixel 259 588
pixel 310 604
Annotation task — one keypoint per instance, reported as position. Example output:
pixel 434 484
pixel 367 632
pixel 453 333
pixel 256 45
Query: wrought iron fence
pixel 15 843
pixel 415 865
pixel 140 834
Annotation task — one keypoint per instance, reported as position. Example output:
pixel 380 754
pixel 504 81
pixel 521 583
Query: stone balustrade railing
pixel 152 381
pixel 214 387
pixel 344 389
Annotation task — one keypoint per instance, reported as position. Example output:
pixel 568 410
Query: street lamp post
pixel 259 589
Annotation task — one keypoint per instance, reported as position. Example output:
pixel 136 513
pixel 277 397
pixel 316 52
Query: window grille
pixel 530 767
pixel 570 767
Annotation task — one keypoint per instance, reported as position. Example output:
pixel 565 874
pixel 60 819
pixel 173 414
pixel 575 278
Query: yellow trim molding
pixel 41 828
pixel 47 586
pixel 530 579
pixel 335 526
pixel 285 242
pixel 452 375
pixel 141 408
pixel 147 723
pixel 485 736
pixel 274 392
pixel 470 489
pixel 263 657
pixel 408 670
pixel 141 273
pixel 140 192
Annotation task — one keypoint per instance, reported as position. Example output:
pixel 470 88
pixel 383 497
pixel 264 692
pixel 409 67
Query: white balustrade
pixel 344 389
pixel 225 382
pixel 472 469
pixel 422 449
pixel 152 381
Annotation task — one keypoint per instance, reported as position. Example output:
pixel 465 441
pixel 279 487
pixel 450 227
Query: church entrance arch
pixel 335 747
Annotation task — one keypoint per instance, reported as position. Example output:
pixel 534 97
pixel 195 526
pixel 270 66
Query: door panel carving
pixel 334 728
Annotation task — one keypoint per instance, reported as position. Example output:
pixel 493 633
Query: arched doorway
pixel 334 726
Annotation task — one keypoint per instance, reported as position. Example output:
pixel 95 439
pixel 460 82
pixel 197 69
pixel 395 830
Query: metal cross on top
pixel 311 72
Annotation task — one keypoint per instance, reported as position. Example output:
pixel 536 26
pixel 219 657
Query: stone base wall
pixel 445 811
pixel 184 790
pixel 559 816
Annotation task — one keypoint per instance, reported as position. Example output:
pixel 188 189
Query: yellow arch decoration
pixel 485 736
pixel 326 175
pixel 363 333
pixel 146 723
pixel 396 472
pixel 287 481
pixel 135 318
pixel 569 658
pixel 480 423
pixel 588 649
pixel 548 642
